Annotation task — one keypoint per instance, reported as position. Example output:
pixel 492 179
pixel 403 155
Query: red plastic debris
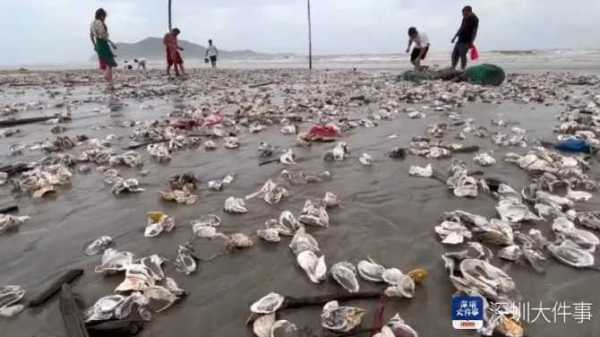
pixel 322 133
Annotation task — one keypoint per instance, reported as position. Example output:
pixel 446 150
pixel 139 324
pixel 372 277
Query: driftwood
pixel 8 205
pixel 144 144
pixel 299 302
pixel 126 327
pixel 14 121
pixel 13 169
pixel 466 149
pixel 74 322
pixel 54 287
pixel 258 85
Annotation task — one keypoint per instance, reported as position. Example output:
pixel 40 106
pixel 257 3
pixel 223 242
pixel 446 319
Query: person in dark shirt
pixel 466 37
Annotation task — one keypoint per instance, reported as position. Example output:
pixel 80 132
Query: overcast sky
pixel 56 31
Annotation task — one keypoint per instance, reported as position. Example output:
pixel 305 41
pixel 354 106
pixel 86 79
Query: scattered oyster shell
pixel 288 158
pixel 239 241
pixel 159 152
pixel 185 261
pixel 232 143
pixel 370 270
pixel 484 159
pixel 303 241
pixel 425 172
pixel 269 234
pixel 399 328
pixel 339 152
pixel 288 224
pixel 114 261
pixel 283 328
pixel 366 159
pixel 98 246
pixel 345 275
pixel 510 253
pixel 405 288
pixel 571 254
pixel 235 206
pixel 392 276
pixel 126 185
pixel 331 200
pixel 314 266
pixel 341 318
pixel 452 232
pixel 10 222
pixel 268 304
pixel 158 222
pixel 179 196
pixel 583 238
pixel 263 325
pixel 209 145
pixel 313 215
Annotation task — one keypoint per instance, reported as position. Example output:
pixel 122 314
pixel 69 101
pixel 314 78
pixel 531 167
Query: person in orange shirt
pixel 174 58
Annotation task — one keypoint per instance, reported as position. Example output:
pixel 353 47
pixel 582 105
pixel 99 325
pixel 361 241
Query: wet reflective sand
pixel 385 214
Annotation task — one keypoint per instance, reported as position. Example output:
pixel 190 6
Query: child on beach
pixel 102 45
pixel 421 48
pixel 173 55
pixel 212 53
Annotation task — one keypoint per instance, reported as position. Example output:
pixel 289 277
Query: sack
pixel 474 53
pixel 206 60
pixel 485 74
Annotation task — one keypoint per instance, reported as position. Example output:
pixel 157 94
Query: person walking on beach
pixel 421 48
pixel 466 37
pixel 102 45
pixel 172 48
pixel 212 53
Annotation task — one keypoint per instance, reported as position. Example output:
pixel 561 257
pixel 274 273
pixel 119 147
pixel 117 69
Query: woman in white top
pixel 421 47
pixel 212 53
pixel 102 45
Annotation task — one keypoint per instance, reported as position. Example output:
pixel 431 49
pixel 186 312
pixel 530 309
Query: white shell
pixel 425 172
pixel 345 275
pixel 405 288
pixel 393 276
pixel 370 271
pixel 269 234
pixel 303 241
pixel 315 267
pixel 268 304
pixel 262 326
pixel 235 205
pixel 340 318
pixel 98 246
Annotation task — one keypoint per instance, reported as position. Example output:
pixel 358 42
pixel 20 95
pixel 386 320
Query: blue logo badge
pixel 467 312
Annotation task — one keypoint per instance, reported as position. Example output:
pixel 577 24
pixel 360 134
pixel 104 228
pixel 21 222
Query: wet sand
pixel 385 214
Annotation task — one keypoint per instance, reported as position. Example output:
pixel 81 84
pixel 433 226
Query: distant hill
pixel 152 48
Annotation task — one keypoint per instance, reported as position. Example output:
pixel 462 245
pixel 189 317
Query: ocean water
pixel 583 61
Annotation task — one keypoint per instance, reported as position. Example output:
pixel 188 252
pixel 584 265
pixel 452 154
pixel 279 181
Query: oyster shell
pixel 98 246
pixel 268 304
pixel 235 206
pixel 303 241
pixel 314 266
pixel 370 270
pixel 345 275
pixel 341 318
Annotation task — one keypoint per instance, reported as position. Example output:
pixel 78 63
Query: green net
pixel 485 74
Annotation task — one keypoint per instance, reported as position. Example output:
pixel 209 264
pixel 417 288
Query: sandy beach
pixel 384 214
